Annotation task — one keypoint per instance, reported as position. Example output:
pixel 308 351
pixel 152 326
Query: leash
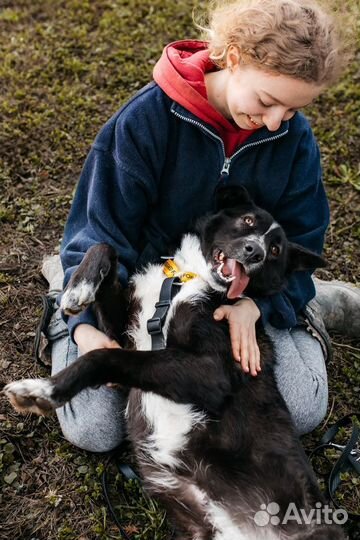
pixel 128 474
pixel 349 459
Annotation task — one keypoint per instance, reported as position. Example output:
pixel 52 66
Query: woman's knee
pixel 99 429
pixel 311 411
pixel 93 421
pixel 300 372
pixel 91 441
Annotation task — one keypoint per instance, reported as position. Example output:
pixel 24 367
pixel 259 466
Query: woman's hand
pixel 88 338
pixel 242 317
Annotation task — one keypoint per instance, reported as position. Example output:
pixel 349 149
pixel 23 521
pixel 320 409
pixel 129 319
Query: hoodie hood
pixel 180 73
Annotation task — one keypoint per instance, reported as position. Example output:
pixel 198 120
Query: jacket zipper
pixel 225 167
pixel 227 160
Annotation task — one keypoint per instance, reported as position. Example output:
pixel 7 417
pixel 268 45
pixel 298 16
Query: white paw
pixel 31 395
pixel 76 299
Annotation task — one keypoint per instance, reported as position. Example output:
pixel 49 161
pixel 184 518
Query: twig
pixel 38 241
pixel 330 413
pixel 346 346
pixel 339 231
pixel 9 269
pixel 17 445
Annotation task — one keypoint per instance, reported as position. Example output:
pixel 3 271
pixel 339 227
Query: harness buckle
pixel 154 326
pixel 354 457
pixel 163 303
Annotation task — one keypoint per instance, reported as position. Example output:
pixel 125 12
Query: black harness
pixel 155 325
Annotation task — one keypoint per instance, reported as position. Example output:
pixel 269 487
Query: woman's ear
pixel 232 57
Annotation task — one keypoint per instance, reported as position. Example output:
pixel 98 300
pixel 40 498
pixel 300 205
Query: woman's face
pixel 254 98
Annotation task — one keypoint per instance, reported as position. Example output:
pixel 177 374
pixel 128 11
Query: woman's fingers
pixel 242 318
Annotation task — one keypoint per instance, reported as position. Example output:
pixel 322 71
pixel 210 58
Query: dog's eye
pixel 275 250
pixel 249 221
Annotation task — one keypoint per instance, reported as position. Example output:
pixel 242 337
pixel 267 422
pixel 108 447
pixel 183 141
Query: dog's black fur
pixel 245 451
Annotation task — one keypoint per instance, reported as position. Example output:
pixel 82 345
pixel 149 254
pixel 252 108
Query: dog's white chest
pixel 147 287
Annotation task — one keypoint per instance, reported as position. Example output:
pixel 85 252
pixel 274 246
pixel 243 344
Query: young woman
pixel 218 111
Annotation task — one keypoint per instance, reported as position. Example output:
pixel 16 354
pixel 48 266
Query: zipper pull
pixel 226 167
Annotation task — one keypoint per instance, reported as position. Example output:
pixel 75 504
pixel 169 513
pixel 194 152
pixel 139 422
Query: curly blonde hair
pixel 297 38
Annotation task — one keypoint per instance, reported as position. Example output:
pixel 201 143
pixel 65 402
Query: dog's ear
pixel 230 196
pixel 300 258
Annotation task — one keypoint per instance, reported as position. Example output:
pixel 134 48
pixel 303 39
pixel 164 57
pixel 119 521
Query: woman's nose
pixel 273 118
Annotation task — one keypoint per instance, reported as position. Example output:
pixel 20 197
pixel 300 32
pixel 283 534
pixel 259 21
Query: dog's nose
pixel 253 252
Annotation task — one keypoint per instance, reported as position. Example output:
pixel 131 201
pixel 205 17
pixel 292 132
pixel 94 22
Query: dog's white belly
pixel 170 424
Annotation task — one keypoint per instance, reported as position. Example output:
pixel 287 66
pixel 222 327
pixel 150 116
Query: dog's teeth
pixel 221 256
pixel 227 279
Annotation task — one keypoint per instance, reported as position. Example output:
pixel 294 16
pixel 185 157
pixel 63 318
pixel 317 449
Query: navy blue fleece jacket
pixel 155 166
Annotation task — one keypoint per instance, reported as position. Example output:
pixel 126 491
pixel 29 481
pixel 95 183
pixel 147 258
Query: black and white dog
pixel 214 444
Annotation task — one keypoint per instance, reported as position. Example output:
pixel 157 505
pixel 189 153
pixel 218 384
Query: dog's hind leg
pixel 169 373
pixel 95 282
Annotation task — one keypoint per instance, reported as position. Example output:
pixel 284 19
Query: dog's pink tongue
pixel 238 285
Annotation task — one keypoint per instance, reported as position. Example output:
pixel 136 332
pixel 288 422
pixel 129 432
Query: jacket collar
pixel 261 135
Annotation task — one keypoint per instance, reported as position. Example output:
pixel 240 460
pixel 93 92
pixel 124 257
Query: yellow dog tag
pixel 171 270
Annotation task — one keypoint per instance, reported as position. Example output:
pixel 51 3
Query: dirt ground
pixel 66 67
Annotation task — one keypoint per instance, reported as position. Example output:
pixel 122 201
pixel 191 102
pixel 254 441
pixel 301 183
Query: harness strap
pixel 169 288
pixel 348 460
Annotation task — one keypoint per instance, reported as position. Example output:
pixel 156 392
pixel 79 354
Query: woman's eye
pixel 249 221
pixel 263 104
pixel 274 250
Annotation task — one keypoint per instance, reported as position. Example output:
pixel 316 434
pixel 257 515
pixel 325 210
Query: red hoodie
pixel 180 74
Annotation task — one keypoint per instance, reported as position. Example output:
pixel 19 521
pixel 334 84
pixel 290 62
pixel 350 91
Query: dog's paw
pixel 31 395
pixel 78 297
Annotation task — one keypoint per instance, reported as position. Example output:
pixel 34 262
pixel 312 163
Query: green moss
pixel 5 279
pixel 10 15
pixel 7 215
pixel 66 532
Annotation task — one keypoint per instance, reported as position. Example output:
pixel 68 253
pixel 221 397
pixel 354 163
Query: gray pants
pixel 94 421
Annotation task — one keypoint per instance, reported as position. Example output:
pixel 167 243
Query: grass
pixel 66 66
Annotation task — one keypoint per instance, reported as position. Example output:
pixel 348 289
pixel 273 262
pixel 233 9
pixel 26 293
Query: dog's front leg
pixel 171 373
pixel 95 282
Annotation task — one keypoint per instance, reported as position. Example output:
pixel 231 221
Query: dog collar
pixel 172 270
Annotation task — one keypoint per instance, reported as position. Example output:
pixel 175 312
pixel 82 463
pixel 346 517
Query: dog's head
pixel 247 250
